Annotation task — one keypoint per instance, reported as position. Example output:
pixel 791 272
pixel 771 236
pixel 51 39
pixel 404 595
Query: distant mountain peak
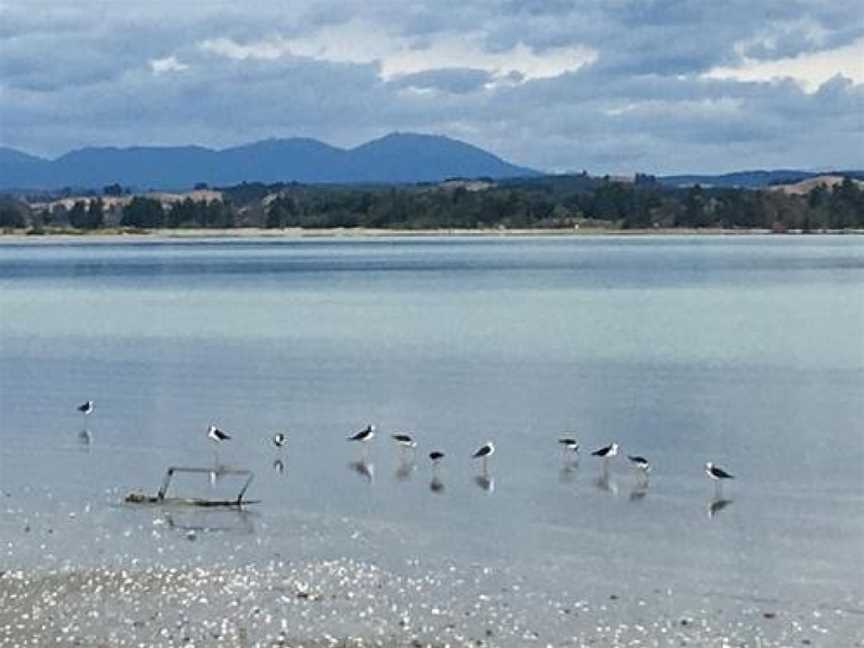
pixel 11 155
pixel 398 157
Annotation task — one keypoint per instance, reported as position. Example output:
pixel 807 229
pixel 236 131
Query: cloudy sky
pixel 658 86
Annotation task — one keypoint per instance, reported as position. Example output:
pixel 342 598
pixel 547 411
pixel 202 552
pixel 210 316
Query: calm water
pixel 745 351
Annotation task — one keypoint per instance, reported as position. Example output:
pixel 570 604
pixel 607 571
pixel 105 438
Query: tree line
pixel 551 202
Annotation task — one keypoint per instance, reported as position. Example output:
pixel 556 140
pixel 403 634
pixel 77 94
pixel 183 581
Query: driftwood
pixel 160 497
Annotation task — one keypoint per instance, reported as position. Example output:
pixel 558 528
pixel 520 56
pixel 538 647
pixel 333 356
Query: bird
pixel 404 440
pixel 278 439
pixel 435 457
pixel 641 463
pixel 642 467
pixel 217 435
pixel 485 451
pixel 569 444
pixel 606 452
pixel 363 435
pixel 717 474
pixel 86 407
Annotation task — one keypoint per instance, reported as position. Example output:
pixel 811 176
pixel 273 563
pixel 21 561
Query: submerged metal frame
pixel 169 474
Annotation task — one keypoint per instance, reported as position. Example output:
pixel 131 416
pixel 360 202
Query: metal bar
pixel 245 486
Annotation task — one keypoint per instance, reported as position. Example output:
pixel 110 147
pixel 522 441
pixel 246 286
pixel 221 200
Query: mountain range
pixel 752 179
pixel 394 158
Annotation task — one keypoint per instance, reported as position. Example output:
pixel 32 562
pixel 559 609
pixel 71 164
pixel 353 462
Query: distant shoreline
pixel 362 232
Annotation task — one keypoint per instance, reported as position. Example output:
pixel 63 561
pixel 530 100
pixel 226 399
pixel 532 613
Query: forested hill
pixel 547 202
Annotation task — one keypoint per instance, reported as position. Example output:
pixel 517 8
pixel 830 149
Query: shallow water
pixel 744 351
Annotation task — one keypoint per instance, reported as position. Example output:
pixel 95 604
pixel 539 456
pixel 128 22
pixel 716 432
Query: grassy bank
pixel 297 232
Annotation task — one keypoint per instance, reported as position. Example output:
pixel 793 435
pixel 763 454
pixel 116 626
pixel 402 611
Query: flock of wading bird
pixel 569 448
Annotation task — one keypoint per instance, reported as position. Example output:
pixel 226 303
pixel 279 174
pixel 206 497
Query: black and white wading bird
pixel 363 437
pixel 86 408
pixel 606 452
pixel 484 452
pixel 404 441
pixel 217 435
pixel 717 474
pixel 569 445
pixel 278 440
pixel 640 463
pixel 436 457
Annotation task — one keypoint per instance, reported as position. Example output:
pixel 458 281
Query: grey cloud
pixel 453 80
pixel 641 106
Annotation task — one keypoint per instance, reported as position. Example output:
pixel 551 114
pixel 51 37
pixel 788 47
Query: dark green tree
pixel 12 214
pixel 143 212
pixel 78 215
pixel 95 215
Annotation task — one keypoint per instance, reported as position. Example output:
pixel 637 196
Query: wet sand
pixel 351 603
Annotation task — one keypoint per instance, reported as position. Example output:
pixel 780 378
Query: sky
pixel 614 86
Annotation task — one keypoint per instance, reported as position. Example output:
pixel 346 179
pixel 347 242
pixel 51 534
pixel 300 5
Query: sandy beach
pixel 344 602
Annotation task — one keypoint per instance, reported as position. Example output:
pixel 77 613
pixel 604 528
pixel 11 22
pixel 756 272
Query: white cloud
pixel 361 42
pixel 808 70
pixel 167 64
pixel 268 50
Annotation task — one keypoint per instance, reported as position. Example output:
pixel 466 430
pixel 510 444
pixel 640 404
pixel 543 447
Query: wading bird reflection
pixel 486 482
pixel 364 469
pixel 716 505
